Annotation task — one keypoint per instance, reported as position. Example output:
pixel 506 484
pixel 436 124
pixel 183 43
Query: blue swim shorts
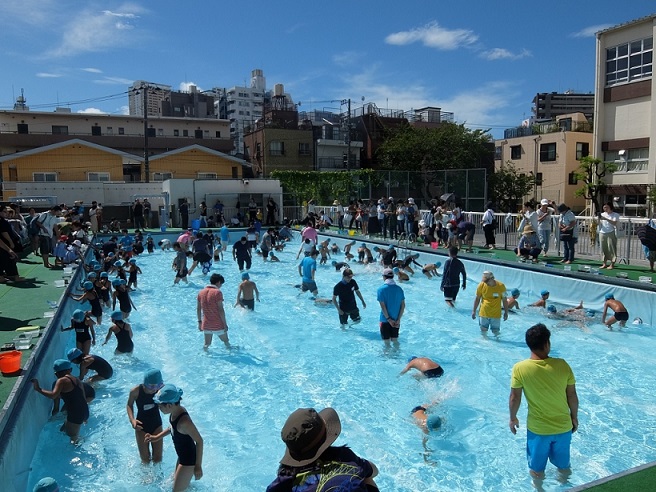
pixel 552 447
pixel 493 324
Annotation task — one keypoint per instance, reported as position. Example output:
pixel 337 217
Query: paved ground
pixel 24 303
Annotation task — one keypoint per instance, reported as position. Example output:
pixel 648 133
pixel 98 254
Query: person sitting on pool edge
pixel 427 367
pixel 542 302
pixel 512 300
pixel 309 436
pixel 620 312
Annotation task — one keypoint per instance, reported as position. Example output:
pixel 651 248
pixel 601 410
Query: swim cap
pixel 104 275
pixel 391 246
pixel 363 245
pixel 271 253
pixel 92 275
pixel 117 315
pixel 412 358
pixel 47 484
pixel 609 296
pixel 637 321
pixel 438 264
pixel 395 269
pixel 433 422
pixel 514 292
pixel 118 263
pixel 116 282
pixel 110 255
pixel 333 263
pixel 590 313
pixel 97 267
pixel 168 394
pixel 122 282
pixel 87 285
pixel 245 276
pixel 551 308
pixel 78 315
pixel 133 260
pixel 62 365
pixel 544 292
pixel 73 354
pixel 153 377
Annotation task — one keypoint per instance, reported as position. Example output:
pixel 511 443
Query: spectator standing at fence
pixel 488 226
pixel 568 232
pixel 529 217
pixel 147 209
pixel 544 224
pixel 608 221
pixel 138 214
pixel 48 225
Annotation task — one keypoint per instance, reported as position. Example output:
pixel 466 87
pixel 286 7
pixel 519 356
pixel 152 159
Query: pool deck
pixel 25 303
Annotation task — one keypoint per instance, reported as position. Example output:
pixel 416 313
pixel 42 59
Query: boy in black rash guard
pixel 187 440
pixel 148 419
pixel 346 290
pixel 453 268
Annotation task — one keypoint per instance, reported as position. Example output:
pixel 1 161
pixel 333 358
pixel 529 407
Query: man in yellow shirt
pixel 490 295
pixel 553 405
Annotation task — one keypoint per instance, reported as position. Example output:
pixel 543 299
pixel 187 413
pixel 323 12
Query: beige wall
pixel 191 162
pixel 71 163
pixel 555 174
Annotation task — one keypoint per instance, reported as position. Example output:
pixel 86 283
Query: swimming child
pixel 133 270
pixel 512 299
pixel 273 257
pixel 427 367
pixel 85 333
pixel 620 312
pixel 247 288
pixel 401 276
pixel 90 362
pixel 542 302
pixel 179 264
pixel 430 269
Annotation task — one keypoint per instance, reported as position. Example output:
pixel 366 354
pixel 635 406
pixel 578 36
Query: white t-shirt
pixel 606 227
pixel 47 220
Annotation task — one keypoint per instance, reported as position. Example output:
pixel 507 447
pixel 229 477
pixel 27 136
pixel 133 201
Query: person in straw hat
pixel 311 459
pixel 529 245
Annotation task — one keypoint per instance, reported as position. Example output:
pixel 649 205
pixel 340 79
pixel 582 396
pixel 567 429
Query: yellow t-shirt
pixel 491 299
pixel 545 384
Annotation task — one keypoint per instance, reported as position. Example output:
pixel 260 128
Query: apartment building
pixel 548 105
pixel 551 153
pixel 625 112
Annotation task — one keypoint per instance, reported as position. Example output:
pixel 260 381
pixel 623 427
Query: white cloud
pixel 590 31
pixel 114 81
pixel 347 58
pixel 504 54
pixel 123 110
pixel 92 31
pixel 46 75
pixel 31 12
pixel 185 87
pixel 92 70
pixel 481 106
pixel 433 35
pixel 92 111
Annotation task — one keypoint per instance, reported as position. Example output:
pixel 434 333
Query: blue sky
pixel 482 60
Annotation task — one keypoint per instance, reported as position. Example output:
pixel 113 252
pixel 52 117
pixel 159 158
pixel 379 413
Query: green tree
pixel 451 146
pixel 592 172
pixel 508 187
pixel 324 186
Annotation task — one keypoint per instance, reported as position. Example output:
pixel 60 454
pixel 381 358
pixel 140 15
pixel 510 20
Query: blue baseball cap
pixel 62 365
pixel 73 354
pixel 169 393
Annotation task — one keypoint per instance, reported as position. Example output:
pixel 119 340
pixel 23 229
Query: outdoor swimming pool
pixel 292 353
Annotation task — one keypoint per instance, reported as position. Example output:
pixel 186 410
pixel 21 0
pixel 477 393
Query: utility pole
pixel 146 161
pixel 348 133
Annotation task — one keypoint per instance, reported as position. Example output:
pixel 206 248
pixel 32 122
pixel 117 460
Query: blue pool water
pixel 292 353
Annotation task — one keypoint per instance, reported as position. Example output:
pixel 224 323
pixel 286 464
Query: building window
pixel 277 148
pixel 218 134
pixel 235 173
pixel 303 149
pixel 498 151
pixel 206 175
pixel 548 152
pixel 22 128
pixel 63 130
pixel 121 130
pixel 629 61
pixel 515 152
pixel 185 133
pixel 95 130
pixel 110 130
pixel 538 179
pixel 162 176
pixel 582 150
pixel 571 180
pixel 160 132
pixel 176 133
pixel 44 177
pixel 97 176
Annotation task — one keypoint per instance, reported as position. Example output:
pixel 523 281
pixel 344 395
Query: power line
pixel 78 102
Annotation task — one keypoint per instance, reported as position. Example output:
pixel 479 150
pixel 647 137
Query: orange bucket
pixel 10 362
